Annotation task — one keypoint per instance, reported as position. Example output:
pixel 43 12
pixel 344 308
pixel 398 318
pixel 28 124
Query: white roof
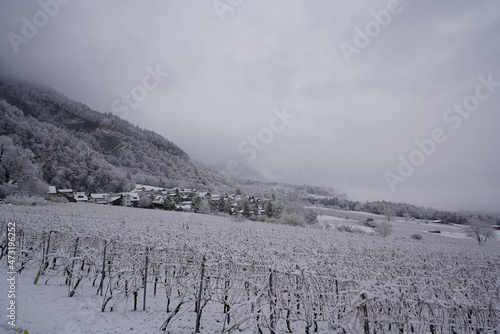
pixel 133 196
pixel 100 196
pixel 80 196
pixel 114 198
pixel 146 187
pixel 52 190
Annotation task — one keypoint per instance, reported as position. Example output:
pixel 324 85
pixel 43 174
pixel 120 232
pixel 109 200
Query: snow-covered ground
pixel 333 222
pixel 402 226
pixel 243 254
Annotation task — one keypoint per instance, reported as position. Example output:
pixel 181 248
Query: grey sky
pixel 225 77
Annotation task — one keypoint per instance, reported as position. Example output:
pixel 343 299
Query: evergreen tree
pixel 246 209
pixel 227 207
pixel 204 206
pixel 177 198
pixel 195 203
pixel 169 203
pixel 269 209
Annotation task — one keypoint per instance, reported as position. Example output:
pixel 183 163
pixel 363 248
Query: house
pixel 98 198
pixel 130 199
pixel 204 194
pixel 68 193
pixel 186 205
pixel 52 190
pixel 80 197
pixel 158 201
pixel 115 199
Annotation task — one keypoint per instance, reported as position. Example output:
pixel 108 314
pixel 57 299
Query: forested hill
pixel 73 146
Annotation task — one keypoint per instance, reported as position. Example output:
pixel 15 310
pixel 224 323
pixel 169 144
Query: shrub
pixel 349 229
pixel 293 210
pixel 57 199
pixel 238 218
pixel 25 200
pixel 369 222
pixel 292 219
pixel 220 214
pixel 385 229
pixel 272 220
pixel 416 236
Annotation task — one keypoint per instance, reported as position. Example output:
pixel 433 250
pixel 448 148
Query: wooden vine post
pixel 46 258
pixel 145 279
pixel 200 293
pixel 41 262
pixel 365 313
pixel 271 302
pixel 70 294
pixel 103 270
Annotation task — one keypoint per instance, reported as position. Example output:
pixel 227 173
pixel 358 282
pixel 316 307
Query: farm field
pixel 104 269
pixel 402 227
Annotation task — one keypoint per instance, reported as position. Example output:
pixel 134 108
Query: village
pixel 173 199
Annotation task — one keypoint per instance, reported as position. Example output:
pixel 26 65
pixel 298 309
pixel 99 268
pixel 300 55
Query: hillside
pixel 67 144
pixel 76 147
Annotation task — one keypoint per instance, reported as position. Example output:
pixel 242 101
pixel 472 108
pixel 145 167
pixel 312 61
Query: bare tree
pixel 479 230
pixel 385 229
pixel 389 213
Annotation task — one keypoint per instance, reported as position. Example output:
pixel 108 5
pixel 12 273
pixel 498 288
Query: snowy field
pixel 402 227
pixel 240 277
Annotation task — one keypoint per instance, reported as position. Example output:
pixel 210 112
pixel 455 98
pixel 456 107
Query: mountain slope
pixel 76 147
pixel 69 145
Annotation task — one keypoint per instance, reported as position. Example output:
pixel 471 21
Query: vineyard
pixel 201 273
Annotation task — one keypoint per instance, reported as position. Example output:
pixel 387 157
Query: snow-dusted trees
pixel 17 173
pixel 82 149
pixel 294 213
pixel 63 160
pixel 269 209
pixel 479 230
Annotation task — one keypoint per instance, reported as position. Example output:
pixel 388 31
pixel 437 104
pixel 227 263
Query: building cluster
pixel 157 197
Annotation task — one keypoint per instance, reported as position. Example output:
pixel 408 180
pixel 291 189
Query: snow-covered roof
pixel 80 196
pixel 65 190
pixel 114 198
pixel 98 196
pixel 52 190
pixel 144 187
pixel 132 196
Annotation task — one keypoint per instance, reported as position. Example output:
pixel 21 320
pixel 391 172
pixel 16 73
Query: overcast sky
pixel 356 84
